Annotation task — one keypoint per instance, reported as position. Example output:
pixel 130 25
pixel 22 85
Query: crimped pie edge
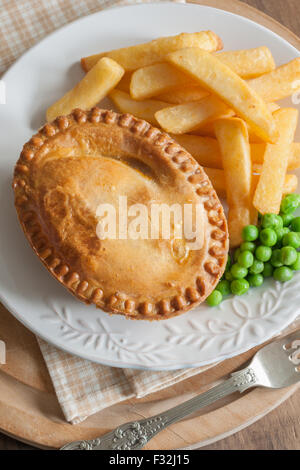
pixel 178 159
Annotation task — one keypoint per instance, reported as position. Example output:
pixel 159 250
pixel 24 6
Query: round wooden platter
pixel 29 410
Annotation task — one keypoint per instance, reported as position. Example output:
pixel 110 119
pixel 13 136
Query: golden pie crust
pixel 87 158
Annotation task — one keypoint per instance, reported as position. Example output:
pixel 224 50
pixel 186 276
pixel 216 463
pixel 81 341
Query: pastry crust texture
pixel 86 158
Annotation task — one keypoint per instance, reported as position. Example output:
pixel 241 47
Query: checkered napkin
pixel 82 387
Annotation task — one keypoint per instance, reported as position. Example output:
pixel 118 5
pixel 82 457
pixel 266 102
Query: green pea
pixel 224 288
pixel 255 280
pixel 248 246
pixel 296 266
pixel 228 276
pixel 245 259
pixel 276 261
pixel 214 299
pixel 257 267
pixel 250 233
pixel 271 221
pixel 268 220
pixel 283 274
pixel 263 253
pixel 280 232
pixel 288 255
pixel 286 219
pixel 268 237
pixel 268 270
pixel 236 254
pixel 279 221
pixel 238 272
pixel 290 203
pixel 295 224
pixel 239 286
pixel 291 239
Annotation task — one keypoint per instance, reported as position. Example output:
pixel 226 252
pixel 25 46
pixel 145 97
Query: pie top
pixel 80 161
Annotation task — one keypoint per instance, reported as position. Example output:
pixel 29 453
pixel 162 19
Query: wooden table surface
pixel 280 429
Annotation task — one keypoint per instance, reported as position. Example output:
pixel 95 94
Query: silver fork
pixel 276 365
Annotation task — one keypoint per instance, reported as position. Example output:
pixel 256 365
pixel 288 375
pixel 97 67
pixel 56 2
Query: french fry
pixel 97 83
pixel 124 83
pixel 134 57
pixel 141 109
pixel 258 152
pixel 183 95
pixel 156 79
pixel 248 63
pixel 232 135
pixel 229 87
pixel 209 130
pixel 193 93
pixel 294 160
pixel 272 107
pixel 256 168
pixel 269 190
pixel 204 149
pixel 217 177
pixel 253 137
pixel 290 184
pixel 189 116
pixel 161 78
pixel 280 83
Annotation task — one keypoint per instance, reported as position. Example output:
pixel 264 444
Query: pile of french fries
pixel 220 106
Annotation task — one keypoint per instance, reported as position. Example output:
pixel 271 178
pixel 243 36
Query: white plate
pixel 199 337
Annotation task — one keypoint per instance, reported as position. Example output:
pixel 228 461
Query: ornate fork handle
pixel 136 434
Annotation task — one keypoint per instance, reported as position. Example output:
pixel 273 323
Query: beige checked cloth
pixel 23 23
pixel 82 387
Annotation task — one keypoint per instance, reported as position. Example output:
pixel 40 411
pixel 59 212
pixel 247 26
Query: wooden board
pixel 30 412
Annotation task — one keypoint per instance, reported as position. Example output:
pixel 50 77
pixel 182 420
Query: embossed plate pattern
pixel 199 337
